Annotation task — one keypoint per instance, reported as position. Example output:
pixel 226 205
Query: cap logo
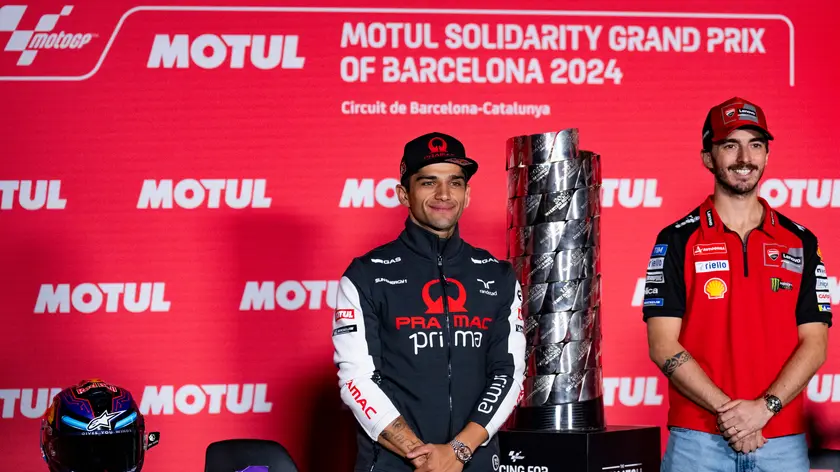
pixel 437 144
pixel 729 112
pixel 460 162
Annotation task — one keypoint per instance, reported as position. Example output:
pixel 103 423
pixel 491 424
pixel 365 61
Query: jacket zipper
pixel 448 339
pixel 744 245
pixel 375 455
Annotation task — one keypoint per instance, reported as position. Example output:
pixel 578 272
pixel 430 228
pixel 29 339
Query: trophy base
pixel 580 416
pixel 614 449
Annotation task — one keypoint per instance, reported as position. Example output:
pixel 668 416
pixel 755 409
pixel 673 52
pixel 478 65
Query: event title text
pixel 503 66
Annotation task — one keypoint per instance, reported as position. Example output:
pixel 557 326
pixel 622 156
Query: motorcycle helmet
pixel 94 427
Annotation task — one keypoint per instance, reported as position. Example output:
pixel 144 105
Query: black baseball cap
pixel 434 148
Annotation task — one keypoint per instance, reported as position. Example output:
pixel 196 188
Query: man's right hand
pixel 750 443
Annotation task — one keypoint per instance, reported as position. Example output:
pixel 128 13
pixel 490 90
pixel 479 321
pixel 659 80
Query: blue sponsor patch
pixel 824 307
pixel 654 302
pixel 659 250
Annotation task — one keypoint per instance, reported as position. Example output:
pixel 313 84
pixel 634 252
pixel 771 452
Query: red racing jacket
pixel 741 303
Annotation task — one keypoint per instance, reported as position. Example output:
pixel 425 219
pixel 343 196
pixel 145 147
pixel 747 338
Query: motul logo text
pixel 210 51
pixel 632 391
pixel 289 295
pixel 92 297
pixel 631 193
pixel 193 193
pixel 194 399
pixel 367 193
pixel 31 194
pixel 815 193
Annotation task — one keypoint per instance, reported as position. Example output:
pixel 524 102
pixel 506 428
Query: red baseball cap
pixel 730 115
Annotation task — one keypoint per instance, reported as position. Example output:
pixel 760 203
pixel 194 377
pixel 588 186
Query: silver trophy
pixel 553 242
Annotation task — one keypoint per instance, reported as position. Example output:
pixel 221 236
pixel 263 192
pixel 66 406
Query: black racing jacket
pixel 430 329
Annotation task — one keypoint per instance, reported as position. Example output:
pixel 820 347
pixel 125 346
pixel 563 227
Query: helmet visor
pixel 121 452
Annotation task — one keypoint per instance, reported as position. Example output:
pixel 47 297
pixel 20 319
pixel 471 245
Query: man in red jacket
pixel 737 310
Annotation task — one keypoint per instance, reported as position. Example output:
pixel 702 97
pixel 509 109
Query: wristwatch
pixel 462 452
pixel 773 403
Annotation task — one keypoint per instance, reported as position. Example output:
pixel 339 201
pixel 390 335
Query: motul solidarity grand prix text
pixel 503 39
pixel 502 53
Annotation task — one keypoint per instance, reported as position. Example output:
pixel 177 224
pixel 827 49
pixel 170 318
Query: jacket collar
pixel 710 221
pixel 428 244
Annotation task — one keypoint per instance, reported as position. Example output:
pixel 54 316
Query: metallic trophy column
pixel 554 245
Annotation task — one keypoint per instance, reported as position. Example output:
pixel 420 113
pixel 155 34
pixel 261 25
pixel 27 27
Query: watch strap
pixel 459 447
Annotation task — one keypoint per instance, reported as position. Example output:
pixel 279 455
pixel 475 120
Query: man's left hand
pixel 439 458
pixel 740 418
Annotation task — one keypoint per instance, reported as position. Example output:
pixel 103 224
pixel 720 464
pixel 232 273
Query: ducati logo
pixel 435 306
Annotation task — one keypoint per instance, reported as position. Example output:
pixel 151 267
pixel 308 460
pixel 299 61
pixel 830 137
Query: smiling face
pixel 738 161
pixel 436 197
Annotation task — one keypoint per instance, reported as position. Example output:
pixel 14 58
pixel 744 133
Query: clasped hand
pixel 435 458
pixel 741 421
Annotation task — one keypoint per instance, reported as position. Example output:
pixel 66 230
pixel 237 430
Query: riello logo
pixel 90 298
pixel 190 194
pixel 28 42
pixel 289 295
pixel 210 51
pixel 31 195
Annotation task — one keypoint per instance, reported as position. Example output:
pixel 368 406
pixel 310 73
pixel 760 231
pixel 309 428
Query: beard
pixel 739 189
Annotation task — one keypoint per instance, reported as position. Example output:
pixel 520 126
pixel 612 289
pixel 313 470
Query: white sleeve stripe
pixel 372 408
pixel 516 348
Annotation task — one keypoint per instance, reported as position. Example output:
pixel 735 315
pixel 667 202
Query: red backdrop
pixel 129 132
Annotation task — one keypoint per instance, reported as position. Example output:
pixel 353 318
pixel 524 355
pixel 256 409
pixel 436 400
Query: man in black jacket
pixel 428 331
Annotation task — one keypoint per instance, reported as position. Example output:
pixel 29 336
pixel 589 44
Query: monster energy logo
pixel 776 284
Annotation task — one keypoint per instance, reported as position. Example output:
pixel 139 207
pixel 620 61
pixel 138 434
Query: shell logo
pixel 715 288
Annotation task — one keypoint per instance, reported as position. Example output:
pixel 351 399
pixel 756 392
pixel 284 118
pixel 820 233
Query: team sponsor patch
pixel 656 263
pixel 659 250
pixel 711 266
pixel 791 259
pixel 820 272
pixel 655 278
pixel 824 308
pixel 345 330
pixel 706 249
pixel 651 291
pixel 345 314
pixel 690 219
pixel 777 284
pixel 823 297
pixel 773 254
pixel 822 284
pixel 709 219
pixel 654 302
pixel 715 288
